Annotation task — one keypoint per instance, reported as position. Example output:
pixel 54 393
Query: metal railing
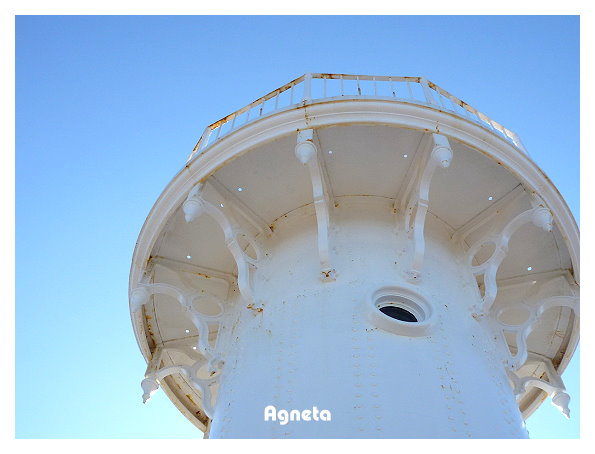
pixel 317 86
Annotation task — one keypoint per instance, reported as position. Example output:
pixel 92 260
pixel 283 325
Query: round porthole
pixel 401 311
pixel 398 313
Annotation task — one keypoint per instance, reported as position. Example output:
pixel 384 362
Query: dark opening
pixel 398 313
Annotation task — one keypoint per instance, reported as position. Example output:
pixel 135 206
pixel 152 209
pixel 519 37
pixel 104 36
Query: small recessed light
pixel 240 189
pixel 221 205
pixel 404 155
pixel 187 331
pixel 188 257
pixel 330 152
pixel 193 348
pixel 529 268
pixel 533 282
pixel 490 198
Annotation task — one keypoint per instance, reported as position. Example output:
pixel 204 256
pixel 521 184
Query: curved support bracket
pixel 152 382
pixel 418 200
pixel 493 211
pixel 211 355
pixel 140 295
pixel 307 153
pixel 554 387
pixel 522 331
pixel 538 215
pixel 195 206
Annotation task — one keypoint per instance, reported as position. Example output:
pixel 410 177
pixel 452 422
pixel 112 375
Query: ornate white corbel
pixel 554 387
pixel 522 331
pixel 140 295
pixel 193 374
pixel 195 206
pixel 415 199
pixel 538 215
pixel 211 358
pixel 307 153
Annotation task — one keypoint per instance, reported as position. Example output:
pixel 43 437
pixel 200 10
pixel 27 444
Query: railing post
pixel 427 91
pixel 519 143
pixel 206 135
pixel 307 88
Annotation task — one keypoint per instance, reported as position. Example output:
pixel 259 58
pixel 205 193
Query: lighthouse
pixel 355 256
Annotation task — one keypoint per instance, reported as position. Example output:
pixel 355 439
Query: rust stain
pixel 206 276
pixel 148 262
pixel 256 309
pixel 190 398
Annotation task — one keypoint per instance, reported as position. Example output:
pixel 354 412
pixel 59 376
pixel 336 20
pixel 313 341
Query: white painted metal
pixel 308 154
pixel 274 297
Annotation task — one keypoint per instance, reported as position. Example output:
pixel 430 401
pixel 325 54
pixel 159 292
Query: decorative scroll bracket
pixel 307 153
pixel 204 372
pixel 554 387
pixel 415 201
pixel 152 382
pixel 522 331
pixel 538 215
pixel 195 206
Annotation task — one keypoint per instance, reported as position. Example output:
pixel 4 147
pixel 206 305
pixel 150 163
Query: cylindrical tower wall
pixel 327 345
pixel 489 271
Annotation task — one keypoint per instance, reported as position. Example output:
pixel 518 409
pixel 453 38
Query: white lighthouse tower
pixel 358 257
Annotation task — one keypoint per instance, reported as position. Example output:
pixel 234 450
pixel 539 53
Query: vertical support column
pixel 427 91
pixel 307 153
pixel 307 88
pixel 416 199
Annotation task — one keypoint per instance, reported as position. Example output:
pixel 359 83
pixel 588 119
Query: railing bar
pixel 342 91
pixel 307 88
pixel 324 86
pixel 440 99
pixel 375 87
pixel 410 91
pixel 261 108
pixel 218 132
pixel 277 101
pixel 233 122
pixel 478 117
pixel 248 115
pixel 359 90
pixel 291 96
pixel 392 87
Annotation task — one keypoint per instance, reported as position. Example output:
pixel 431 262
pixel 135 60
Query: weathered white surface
pixel 314 343
pixel 278 335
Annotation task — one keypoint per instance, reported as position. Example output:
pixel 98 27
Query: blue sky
pixel 108 109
